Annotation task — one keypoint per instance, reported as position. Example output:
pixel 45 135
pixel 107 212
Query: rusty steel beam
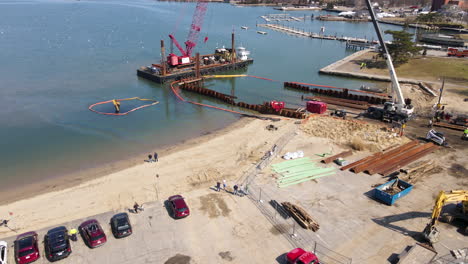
pixel 451 126
pixel 392 157
pixel 354 164
pixel 341 103
pixel 341 155
pixel 362 167
pixel 392 162
pixel 338 100
pixel 409 160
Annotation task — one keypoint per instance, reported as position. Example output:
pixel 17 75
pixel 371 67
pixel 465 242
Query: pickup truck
pixel 300 256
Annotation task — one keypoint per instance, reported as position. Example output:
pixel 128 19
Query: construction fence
pixel 289 228
pixel 276 214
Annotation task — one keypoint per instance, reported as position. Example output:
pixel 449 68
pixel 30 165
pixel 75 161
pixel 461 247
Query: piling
pixel 163 59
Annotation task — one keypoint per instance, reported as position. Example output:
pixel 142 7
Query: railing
pixel 276 214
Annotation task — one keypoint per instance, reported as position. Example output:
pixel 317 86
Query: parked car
pixel 120 225
pixel 57 244
pixel 178 206
pixel 3 252
pixel 26 249
pixel 92 233
pixel 300 256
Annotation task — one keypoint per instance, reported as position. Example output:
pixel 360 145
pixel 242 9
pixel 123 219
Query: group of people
pixel 238 189
pixel 153 158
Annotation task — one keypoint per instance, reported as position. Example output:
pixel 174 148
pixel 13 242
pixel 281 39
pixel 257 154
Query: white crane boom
pixel 398 99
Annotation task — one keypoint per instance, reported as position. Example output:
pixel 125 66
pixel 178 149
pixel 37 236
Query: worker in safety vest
pixel 465 134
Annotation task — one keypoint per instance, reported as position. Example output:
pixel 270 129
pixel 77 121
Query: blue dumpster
pixel 387 198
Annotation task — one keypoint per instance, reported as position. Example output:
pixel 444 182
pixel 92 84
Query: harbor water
pixel 57 57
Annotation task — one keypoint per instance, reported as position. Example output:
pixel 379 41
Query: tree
pixel 330 6
pixel 402 48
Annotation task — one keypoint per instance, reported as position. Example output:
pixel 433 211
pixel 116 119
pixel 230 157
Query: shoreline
pixel 76 178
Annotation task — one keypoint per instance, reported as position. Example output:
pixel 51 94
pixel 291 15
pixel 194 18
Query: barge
pixel 174 68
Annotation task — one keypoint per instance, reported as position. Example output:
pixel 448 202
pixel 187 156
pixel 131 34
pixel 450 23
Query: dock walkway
pixel 303 33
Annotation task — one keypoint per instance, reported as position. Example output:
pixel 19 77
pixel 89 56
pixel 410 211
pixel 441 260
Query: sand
pixel 197 164
pixel 356 134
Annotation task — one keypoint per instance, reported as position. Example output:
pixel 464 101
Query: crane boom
pixel 399 100
pixel 182 51
pixel 195 27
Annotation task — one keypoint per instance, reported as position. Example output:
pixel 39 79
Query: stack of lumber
pixel 299 170
pixel 418 171
pixel 301 216
pixel 389 161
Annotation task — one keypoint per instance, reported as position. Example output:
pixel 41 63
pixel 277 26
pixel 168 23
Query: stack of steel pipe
pixel 389 161
pixel 338 92
pixel 341 102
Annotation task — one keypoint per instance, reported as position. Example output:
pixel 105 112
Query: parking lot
pixel 222 228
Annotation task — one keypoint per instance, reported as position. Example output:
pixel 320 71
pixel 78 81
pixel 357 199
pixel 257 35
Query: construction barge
pixel 174 68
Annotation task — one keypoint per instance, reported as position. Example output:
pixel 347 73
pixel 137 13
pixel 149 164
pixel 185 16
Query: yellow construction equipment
pixel 430 232
pixel 116 105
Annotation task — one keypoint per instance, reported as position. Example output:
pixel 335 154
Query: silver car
pixel 3 252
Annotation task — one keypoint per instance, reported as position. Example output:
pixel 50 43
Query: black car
pixel 120 225
pixel 57 244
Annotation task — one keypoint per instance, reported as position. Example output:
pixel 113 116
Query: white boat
pixel 244 27
pixel 242 53
pixel 262 32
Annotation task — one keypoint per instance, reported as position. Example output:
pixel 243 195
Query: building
pixel 437 4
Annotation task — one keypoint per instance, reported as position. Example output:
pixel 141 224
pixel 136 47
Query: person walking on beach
pixel 235 189
pixel 224 184
pixel 156 157
pixel 150 158
pixel 5 223
pixel 218 186
pixel 136 207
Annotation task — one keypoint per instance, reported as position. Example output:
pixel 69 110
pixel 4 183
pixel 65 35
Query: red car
pixel 178 206
pixel 92 233
pixel 300 256
pixel 26 249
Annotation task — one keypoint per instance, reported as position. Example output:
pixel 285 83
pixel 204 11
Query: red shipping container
pixel 316 107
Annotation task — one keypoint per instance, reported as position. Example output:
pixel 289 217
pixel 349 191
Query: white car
pixel 3 252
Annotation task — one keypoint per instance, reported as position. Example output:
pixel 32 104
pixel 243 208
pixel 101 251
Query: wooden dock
pixel 298 32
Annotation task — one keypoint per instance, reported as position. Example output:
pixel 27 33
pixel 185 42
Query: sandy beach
pixel 197 163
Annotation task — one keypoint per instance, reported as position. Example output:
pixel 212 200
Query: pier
pixel 285 17
pixel 355 43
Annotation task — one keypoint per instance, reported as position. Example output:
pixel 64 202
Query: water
pixel 59 57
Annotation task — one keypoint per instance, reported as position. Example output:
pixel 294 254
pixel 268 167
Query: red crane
pixel 192 37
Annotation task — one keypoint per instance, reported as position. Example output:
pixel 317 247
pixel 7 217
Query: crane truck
pixel 431 233
pixel 398 109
